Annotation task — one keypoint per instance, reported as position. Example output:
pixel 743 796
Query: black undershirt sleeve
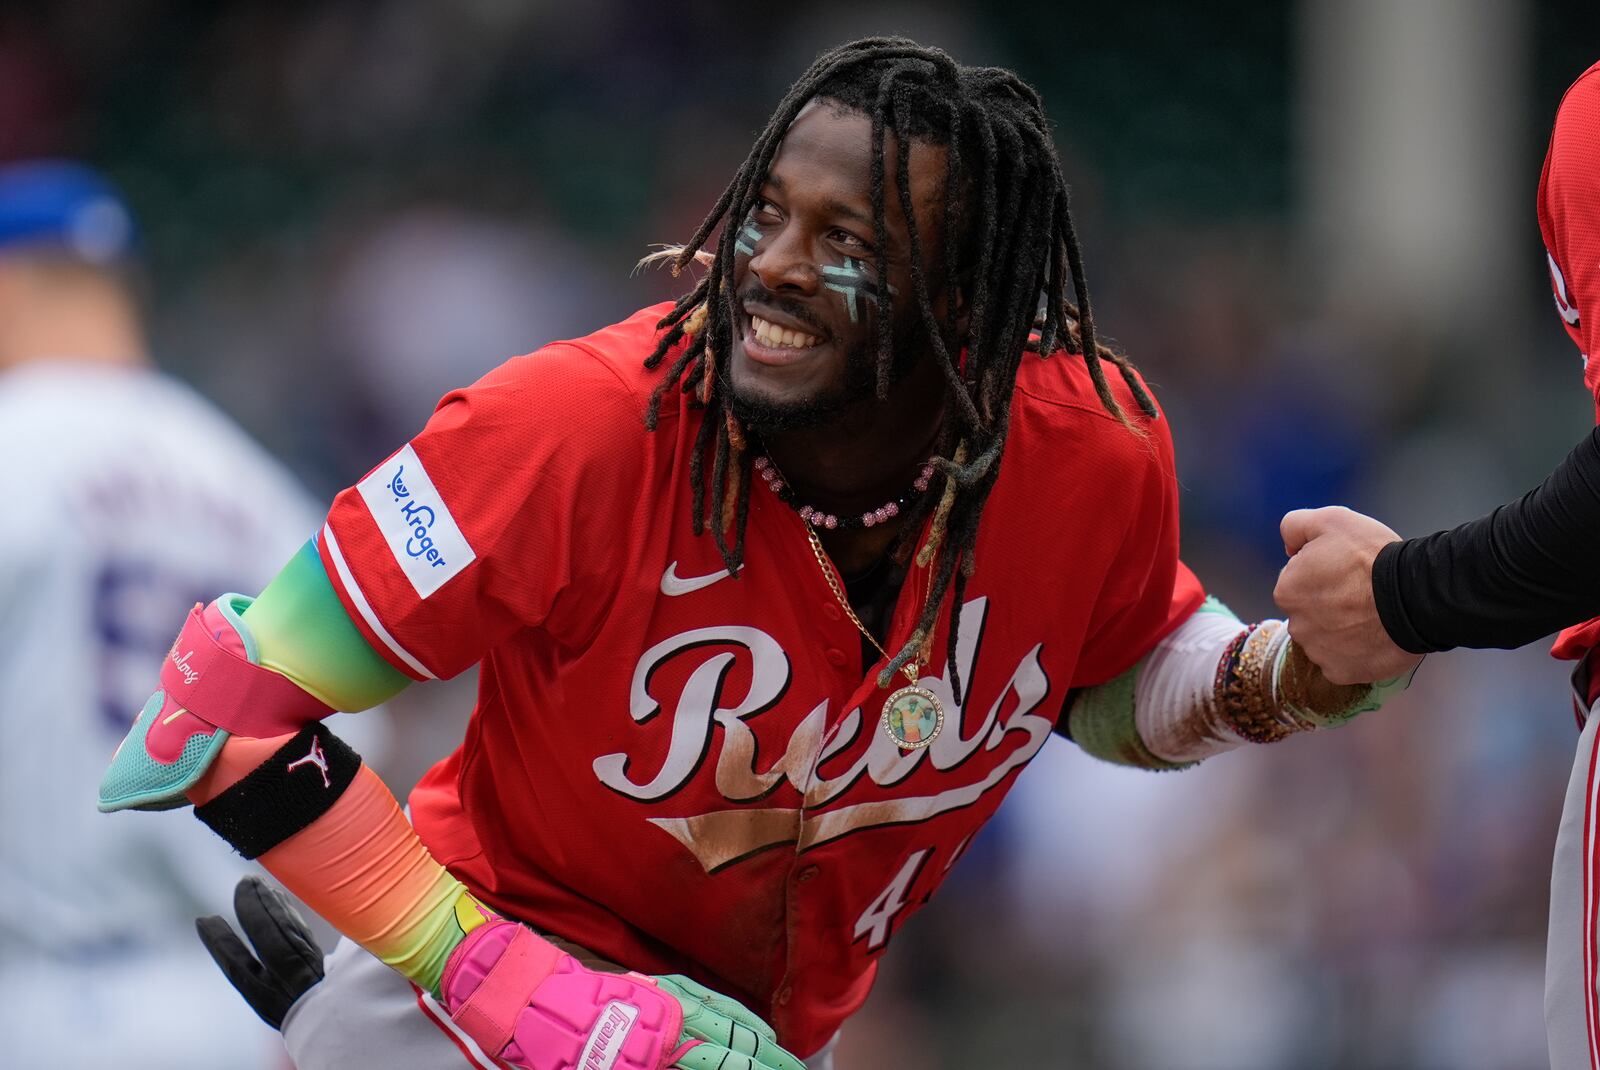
pixel 1523 571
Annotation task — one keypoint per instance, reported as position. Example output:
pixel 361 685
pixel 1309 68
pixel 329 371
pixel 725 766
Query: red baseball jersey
pixel 1569 221
pixel 683 770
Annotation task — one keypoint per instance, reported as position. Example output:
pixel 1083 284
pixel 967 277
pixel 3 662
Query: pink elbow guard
pixel 211 685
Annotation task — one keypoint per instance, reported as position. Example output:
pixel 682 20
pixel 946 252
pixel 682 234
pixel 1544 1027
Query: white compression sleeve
pixel 1210 685
pixel 1176 687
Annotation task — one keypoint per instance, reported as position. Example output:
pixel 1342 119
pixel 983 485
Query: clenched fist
pixel 1325 592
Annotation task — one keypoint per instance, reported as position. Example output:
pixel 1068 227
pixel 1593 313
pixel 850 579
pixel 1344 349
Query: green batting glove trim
pixel 1376 695
pixel 1102 723
pixel 136 781
pixel 734 1037
pixel 1213 605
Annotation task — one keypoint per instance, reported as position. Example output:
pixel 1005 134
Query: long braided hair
pixel 1008 236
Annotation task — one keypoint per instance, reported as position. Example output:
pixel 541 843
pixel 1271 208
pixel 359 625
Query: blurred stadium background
pixel 1311 224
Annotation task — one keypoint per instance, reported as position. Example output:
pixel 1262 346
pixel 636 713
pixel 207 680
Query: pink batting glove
pixel 532 1005
pixel 536 1007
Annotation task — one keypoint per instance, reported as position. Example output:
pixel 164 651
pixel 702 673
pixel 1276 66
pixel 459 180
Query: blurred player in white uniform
pixel 124 498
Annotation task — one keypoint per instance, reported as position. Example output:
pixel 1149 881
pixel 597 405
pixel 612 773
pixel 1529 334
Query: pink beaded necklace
pixel 817 518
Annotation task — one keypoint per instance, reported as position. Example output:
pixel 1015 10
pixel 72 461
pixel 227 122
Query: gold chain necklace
pixel 913 715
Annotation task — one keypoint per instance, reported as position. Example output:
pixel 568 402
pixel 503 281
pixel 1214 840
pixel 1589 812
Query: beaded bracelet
pixel 1245 693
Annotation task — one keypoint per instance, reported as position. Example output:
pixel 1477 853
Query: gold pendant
pixel 913 717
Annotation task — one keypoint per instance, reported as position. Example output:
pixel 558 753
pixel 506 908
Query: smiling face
pixel 806 270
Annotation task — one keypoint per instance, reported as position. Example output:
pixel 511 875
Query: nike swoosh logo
pixel 673 585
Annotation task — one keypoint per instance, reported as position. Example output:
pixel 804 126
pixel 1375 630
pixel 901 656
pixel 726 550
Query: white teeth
pixel 770 334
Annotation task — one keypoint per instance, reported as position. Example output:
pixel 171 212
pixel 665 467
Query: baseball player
pixel 774 589
pixel 1362 601
pixel 125 497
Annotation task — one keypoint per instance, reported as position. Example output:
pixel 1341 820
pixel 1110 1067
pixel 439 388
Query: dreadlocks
pixel 1008 236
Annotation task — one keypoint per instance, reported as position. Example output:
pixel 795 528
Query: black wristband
pixel 298 784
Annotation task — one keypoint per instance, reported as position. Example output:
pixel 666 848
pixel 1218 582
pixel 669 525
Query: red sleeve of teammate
pixel 1148 591
pixel 1569 216
pixel 466 534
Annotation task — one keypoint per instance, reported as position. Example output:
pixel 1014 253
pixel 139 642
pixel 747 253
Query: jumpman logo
pixel 315 757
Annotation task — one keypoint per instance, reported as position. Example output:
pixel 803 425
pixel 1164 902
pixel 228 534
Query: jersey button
pixel 783 995
pixel 836 657
pixel 831 610
pixel 806 874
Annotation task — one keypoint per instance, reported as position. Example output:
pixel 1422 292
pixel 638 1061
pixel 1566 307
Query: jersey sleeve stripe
pixel 368 616
pixel 468 1047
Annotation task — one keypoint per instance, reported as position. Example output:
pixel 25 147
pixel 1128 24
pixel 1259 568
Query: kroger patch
pixel 423 536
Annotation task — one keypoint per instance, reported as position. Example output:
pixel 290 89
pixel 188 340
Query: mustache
pixel 795 310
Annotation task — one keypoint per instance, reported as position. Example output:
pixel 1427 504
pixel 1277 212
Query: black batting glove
pixel 286 961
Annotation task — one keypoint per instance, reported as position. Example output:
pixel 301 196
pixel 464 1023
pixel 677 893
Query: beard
pixel 858 385
pixel 762 414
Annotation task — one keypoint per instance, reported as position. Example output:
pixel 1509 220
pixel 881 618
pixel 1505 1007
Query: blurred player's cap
pixel 63 205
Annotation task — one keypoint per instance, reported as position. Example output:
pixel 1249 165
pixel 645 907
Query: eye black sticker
pixel 852 281
pixel 748 236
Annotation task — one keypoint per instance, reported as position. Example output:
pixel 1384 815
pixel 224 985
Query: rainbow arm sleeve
pixel 303 632
pixel 360 865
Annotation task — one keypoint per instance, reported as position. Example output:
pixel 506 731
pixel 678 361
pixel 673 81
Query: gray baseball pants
pixel 1571 999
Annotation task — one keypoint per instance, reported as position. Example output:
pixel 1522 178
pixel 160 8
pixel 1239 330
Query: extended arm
pixel 1364 603
pixel 1212 684
pixel 1523 571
